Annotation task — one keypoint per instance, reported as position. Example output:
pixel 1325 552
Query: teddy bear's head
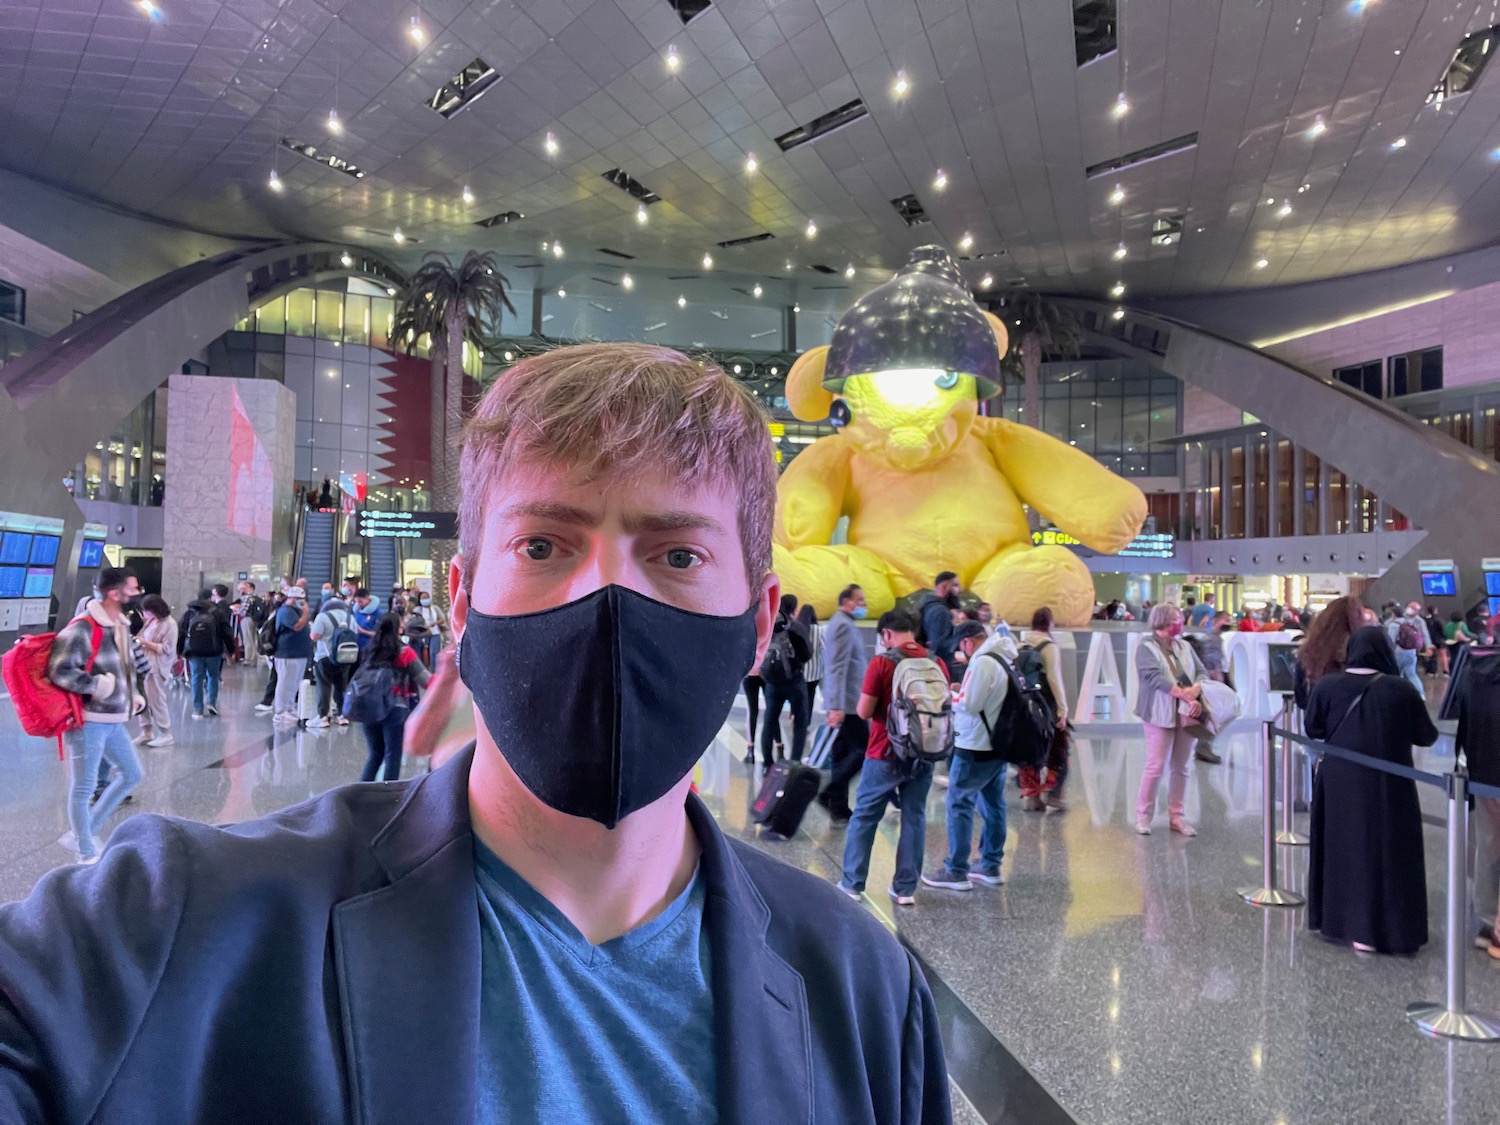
pixel 907 368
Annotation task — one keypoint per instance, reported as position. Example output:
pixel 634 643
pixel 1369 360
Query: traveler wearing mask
pixel 844 661
pixel 204 639
pixel 1170 673
pixel 589 944
pixel 92 658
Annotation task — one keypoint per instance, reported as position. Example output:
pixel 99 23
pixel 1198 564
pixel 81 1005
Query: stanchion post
pixel 1450 1020
pixel 1269 894
pixel 1288 834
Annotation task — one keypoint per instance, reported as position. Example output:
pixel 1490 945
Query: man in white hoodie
pixel 977 773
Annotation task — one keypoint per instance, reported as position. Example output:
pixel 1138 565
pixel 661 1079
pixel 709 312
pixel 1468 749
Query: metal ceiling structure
pixel 1317 153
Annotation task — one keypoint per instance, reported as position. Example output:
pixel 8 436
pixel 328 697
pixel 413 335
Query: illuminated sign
pixel 1157 545
pixel 408 525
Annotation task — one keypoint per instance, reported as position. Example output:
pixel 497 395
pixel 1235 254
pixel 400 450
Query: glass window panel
pixel 1399 365
pixel 1163 465
pixel 1338 503
pixel 1134 465
pixel 1135 427
pixel 1216 493
pixel 270 365
pixel 356 319
pixel 1235 483
pixel 1432 369
pixel 1262 494
pixel 1285 509
pixel 299 380
pixel 330 314
pixel 382 310
pixel 328 393
pixel 1311 493
pixel 299 312
pixel 271 317
pixel 270 342
pixel 1109 427
pixel 1081 424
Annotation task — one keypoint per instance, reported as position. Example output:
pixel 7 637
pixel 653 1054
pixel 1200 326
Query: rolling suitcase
pixel 307 702
pixel 789 788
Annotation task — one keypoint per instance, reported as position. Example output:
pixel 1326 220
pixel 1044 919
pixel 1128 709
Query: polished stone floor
pixel 1121 971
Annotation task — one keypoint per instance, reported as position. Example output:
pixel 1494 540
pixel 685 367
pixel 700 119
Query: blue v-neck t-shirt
pixel 571 1031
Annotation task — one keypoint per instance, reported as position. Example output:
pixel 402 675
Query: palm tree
pixel 1038 327
pixel 448 304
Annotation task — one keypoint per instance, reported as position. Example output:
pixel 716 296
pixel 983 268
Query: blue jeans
pixel 206 671
pixel 968 782
pixel 87 746
pixel 385 745
pixel 1406 664
pixel 883 777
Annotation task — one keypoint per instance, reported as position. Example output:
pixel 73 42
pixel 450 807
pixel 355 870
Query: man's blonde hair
pixel 620 410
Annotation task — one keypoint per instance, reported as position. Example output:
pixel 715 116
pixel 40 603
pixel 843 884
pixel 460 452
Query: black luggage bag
pixel 789 788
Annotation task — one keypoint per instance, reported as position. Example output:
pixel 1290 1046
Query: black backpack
pixel 370 696
pixel 203 638
pixel 781 665
pixel 416 626
pixel 254 607
pixel 268 635
pixel 1028 719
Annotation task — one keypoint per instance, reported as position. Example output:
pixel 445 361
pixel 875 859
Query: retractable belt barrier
pixel 1450 1018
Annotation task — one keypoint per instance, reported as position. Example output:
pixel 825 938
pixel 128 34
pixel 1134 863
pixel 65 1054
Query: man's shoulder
pixel 814 925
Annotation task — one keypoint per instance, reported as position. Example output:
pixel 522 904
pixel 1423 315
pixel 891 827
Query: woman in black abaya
pixel 1367 882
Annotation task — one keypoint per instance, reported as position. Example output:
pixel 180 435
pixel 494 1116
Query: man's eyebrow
pixel 553 512
pixel 645 522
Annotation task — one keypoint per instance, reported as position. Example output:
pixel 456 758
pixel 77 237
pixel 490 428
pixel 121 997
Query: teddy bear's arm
pixel 810 497
pixel 1065 485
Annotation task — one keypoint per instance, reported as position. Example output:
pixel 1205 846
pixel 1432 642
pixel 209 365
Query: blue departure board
pixel 15 547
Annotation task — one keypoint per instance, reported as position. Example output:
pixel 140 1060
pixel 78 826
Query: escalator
pixel 383 570
pixel 317 548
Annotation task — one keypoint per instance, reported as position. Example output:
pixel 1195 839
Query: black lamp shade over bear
pixel 923 317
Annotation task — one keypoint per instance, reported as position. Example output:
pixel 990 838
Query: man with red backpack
pixel 91 657
pixel 905 698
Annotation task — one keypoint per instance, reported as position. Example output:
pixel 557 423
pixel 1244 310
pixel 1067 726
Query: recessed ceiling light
pixel 1285 209
pixel 468 194
pixel 273 181
pixel 626 281
pixel 849 270
pixel 345 260
pixel 561 292
pixel 986 281
pixel 150 8
pixel 557 249
pixel 751 164
pixel 789 264
pixel 1121 106
pixel 1300 190
pixel 902 86
pixel 1120 251
pixel 674 60
pixel 418 35
pixel 940 181
pixel 397 235
pixel 335 126
pixel 1318 128
pixel 1399 142
pixel 681 302
pixel 775 370
pixel 1118 314
pixel 1117 196
pixel 757 290
pixel 390 290
pixel 508 356
pixel 551 145
pixel 1262 263
pixel 812 229
pixel 737 368
pixel 640 214
pixel 796 308
pixel 708 261
pixel 966 242
pixel 1118 290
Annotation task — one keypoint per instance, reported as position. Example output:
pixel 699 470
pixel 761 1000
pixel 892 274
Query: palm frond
pixel 474 289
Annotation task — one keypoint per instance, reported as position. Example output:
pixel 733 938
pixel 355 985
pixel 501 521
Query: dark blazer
pixel 322 965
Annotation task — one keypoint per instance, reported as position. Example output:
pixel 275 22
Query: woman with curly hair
pixel 1327 641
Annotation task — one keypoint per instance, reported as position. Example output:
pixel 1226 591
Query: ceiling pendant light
pixel 1121 106
pixel 751 164
pixel 274 182
pixel 626 281
pixel 551 145
pixel 345 260
pixel 966 242
pixel 681 302
pixel 812 229
pixel 849 270
pixel 1117 196
pixel 468 195
pixel 640 214
pixel 1118 290
pixel 335 126
pixel 940 181
pixel 708 261
pixel 397 235
pixel 416 32
pixel 1120 252
pixel 674 60
pixel 757 290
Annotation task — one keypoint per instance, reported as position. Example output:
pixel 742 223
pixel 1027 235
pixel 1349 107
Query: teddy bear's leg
pixel 1021 579
pixel 817 574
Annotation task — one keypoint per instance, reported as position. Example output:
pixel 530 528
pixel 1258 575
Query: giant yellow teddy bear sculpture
pixel 929 485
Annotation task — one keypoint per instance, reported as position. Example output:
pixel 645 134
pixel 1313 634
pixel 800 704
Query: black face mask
pixel 602 705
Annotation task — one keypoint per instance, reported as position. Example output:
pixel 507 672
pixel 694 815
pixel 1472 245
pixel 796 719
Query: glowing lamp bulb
pixel 682 302
pixel 551 145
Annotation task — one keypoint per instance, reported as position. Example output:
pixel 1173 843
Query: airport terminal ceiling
pixel 1204 146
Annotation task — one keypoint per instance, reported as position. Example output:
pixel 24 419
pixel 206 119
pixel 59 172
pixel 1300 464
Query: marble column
pixel 231 447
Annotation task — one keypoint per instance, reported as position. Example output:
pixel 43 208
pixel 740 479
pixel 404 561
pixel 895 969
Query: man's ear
pixel 458 597
pixel 765 619
pixel 805 396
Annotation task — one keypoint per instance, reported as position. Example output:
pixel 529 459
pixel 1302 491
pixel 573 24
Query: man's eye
pixel 680 558
pixel 538 549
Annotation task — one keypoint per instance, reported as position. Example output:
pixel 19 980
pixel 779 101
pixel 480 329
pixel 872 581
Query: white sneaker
pixel 900 899
pixel 142 739
pixel 158 743
pixel 263 708
pixel 70 841
pixel 1183 828
pixel 1143 827
pixel 317 721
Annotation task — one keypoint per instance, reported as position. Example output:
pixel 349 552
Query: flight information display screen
pixel 12 581
pixel 44 550
pixel 39 582
pixel 1439 584
pixel 1492 583
pixel 15 547
pixel 91 555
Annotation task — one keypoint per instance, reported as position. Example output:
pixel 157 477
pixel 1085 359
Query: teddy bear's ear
pixel 804 386
pixel 1002 337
